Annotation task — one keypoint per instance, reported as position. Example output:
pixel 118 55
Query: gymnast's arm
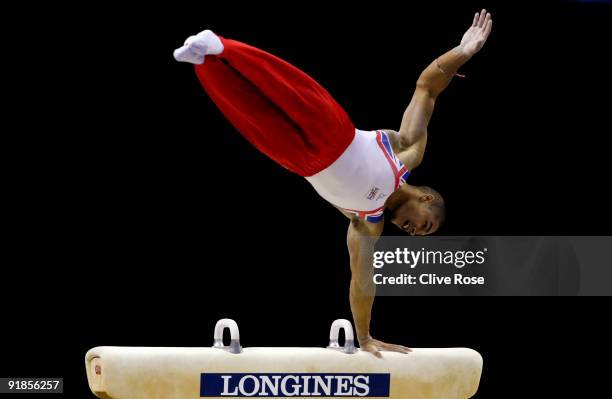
pixel 410 142
pixel 361 238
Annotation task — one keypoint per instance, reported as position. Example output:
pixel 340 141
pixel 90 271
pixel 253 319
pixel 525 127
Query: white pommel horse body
pixel 232 371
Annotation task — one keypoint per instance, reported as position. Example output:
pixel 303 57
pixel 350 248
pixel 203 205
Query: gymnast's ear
pixel 426 197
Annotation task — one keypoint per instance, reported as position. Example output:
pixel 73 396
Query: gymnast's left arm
pixel 409 144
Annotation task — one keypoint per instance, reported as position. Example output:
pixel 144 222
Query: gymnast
pixel 289 117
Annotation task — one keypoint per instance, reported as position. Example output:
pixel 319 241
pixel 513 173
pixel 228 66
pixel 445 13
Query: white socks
pixel 197 47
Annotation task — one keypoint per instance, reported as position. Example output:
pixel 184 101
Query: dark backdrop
pixel 138 216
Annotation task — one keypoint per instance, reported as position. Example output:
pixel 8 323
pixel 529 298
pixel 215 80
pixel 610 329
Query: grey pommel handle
pixel 349 338
pixel 234 346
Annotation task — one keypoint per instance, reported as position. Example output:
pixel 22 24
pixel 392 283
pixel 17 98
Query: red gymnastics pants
pixel 282 111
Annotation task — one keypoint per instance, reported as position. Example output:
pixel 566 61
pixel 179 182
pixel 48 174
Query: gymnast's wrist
pixel 362 338
pixel 464 53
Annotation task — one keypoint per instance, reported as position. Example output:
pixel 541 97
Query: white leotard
pixel 363 177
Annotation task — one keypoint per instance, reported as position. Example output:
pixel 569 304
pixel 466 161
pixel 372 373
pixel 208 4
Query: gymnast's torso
pixel 363 177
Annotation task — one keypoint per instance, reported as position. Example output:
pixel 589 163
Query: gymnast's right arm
pixel 361 238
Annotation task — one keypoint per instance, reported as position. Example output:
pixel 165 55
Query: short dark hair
pixel 437 206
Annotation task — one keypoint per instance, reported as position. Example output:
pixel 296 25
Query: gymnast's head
pixel 417 210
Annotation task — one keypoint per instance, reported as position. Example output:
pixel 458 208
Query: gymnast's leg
pixel 280 109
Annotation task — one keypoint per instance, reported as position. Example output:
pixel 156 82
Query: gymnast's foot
pixel 197 47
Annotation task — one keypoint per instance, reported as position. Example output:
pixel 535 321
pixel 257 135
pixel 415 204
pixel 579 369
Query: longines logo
pixel 294 384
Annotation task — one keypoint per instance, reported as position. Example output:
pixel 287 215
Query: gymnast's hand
pixel 476 36
pixel 374 346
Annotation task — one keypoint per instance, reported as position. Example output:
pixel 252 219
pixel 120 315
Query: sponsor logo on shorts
pixel 294 384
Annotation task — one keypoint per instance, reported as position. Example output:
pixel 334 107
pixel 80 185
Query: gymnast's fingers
pixel 475 21
pixel 486 21
pixel 371 348
pixel 403 349
pixel 488 28
pixel 396 348
pixel 481 18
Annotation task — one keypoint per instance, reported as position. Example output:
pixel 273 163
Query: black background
pixel 136 215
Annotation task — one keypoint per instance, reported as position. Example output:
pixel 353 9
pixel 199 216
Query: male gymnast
pixel 289 117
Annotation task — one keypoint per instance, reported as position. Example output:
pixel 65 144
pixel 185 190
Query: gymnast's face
pixel 416 216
